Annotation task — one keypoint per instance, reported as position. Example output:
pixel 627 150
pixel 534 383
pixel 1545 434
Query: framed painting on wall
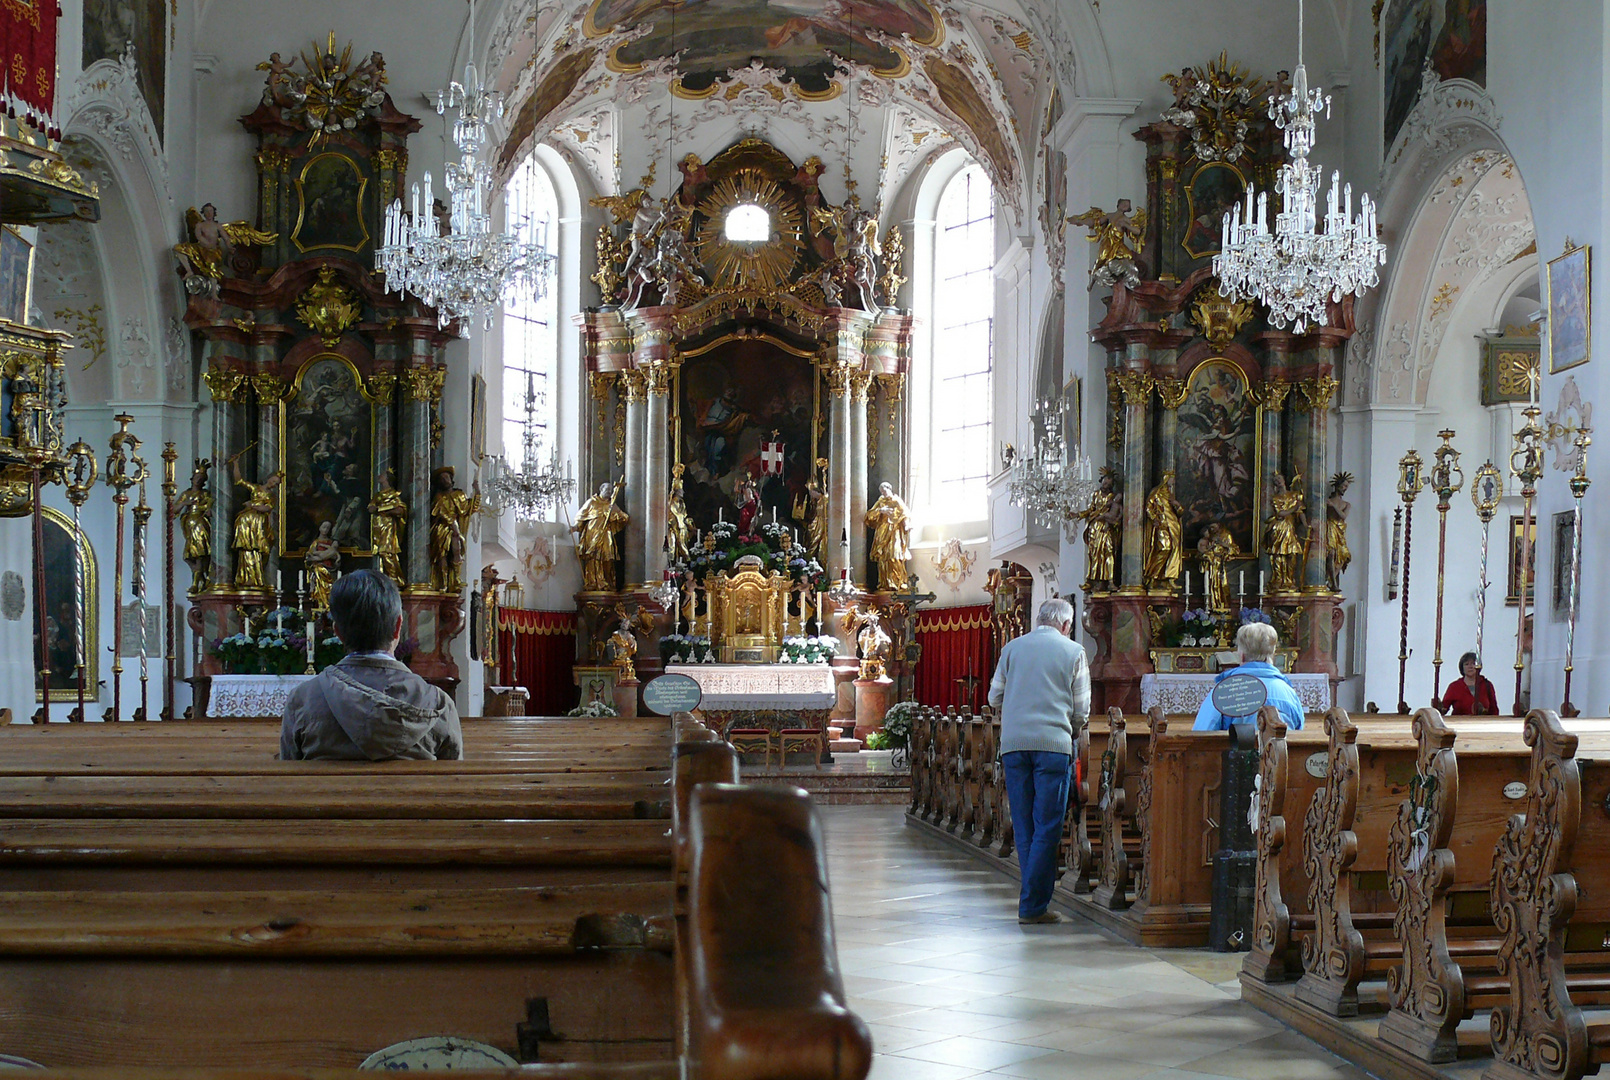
pixel 1564 532
pixel 330 204
pixel 61 568
pixel 16 262
pixel 1512 579
pixel 1214 190
pixel 1570 307
pixel 326 457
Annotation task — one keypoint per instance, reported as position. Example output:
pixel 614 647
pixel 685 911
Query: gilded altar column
pixel 838 466
pixel 859 382
pixel 1314 404
pixel 1136 388
pixel 658 479
pixel 228 389
pixel 634 387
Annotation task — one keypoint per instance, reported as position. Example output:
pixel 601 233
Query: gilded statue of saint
pixel 1102 518
pixel 1117 236
pixel 1338 556
pixel 388 515
pixel 1280 537
pixel 323 562
pixel 254 530
pixel 1164 536
pixel 194 509
pixel 890 523
pixel 678 526
pixel 811 510
pixel 596 528
pixel 450 514
pixel 1213 554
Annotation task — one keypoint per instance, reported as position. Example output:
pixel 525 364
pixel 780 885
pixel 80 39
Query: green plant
pixel 878 741
pixel 897 724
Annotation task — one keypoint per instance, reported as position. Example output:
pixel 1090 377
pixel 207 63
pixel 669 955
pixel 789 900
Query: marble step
pixel 844 746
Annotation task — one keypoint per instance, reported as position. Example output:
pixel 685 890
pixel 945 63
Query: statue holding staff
pixel 194 510
pixel 596 528
pixel 450 515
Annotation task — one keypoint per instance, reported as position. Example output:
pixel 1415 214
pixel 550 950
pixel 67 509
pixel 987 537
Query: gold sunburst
pixel 755 265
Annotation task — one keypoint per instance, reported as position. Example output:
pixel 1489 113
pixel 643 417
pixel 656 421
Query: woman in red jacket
pixel 1471 695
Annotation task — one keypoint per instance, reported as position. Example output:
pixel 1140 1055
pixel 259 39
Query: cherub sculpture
pixel 629 622
pixel 204 258
pixel 1117 236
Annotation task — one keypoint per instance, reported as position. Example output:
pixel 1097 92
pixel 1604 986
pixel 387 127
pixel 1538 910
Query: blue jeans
pixel 1037 787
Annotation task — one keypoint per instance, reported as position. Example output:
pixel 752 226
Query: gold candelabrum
pixel 80 478
pixel 1447 480
pixel 170 491
pixel 1411 478
pixel 1485 490
pixel 142 529
pixel 124 469
pixel 1526 465
pixel 1579 487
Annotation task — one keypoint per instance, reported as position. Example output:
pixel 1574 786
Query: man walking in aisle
pixel 1041 690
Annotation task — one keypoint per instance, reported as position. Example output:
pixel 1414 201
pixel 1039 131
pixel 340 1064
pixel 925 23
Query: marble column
pixel 1136 388
pixel 269 388
pixel 226 388
pixel 859 382
pixel 415 479
pixel 1171 393
pixel 1316 394
pixel 658 475
pixel 1271 397
pixel 634 385
pixel 838 467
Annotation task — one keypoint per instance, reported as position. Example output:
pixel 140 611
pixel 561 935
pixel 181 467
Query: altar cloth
pixel 251 695
pixel 738 687
pixel 1182 695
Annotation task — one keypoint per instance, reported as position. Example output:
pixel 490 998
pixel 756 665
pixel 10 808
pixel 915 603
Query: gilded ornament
pixel 1219 318
pixel 380 386
pixel 1117 236
pixel 329 308
pixel 620 432
pixel 634 384
pixel 737 264
pixel 610 275
pixel 837 376
pixel 894 258
pixel 1317 393
pixel 424 383
pixel 1271 396
pixel 270 388
pixel 1136 386
pixel 334 95
pixel 599 382
pixel 203 258
pixel 1171 391
pixel 86 325
pixel 859 381
pixel 246 324
pixel 893 387
pixel 225 385
pixel 1218 104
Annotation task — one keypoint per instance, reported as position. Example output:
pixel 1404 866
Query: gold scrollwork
pixel 620 432
pixel 600 383
pixel 329 308
pixel 837 376
pixel 634 384
pixel 1316 393
pixel 1271 396
pixel 1172 392
pixel 1136 386
pixel 893 388
pixel 425 383
pixel 1218 317
pixel 659 375
pixel 225 385
pixel 270 388
pixel 380 386
pixel 859 382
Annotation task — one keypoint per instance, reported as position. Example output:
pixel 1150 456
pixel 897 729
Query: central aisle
pixel 952 987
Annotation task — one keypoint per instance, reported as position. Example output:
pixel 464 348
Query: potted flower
pixel 1198 626
pixel 1253 615
pixel 821 649
pixel 675 648
pixel 794 649
pixel 896 734
pixel 594 708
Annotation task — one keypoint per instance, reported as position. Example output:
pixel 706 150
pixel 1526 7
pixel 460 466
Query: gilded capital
pixel 1316 393
pixel 1172 392
pixel 659 376
pixel 225 385
pixel 424 383
pixel 1136 386
pixel 381 385
pixel 1271 396
pixel 270 387
pixel 837 376
pixel 893 387
pixel 859 381
pixel 634 384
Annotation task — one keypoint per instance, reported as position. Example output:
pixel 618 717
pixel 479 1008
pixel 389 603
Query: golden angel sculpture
pixel 678 525
pixel 1117 236
pixel 1102 519
pixel 1281 538
pixel 1164 555
pixel 1338 556
pixel 597 526
pixel 450 514
pixel 204 258
pixel 194 510
pixel 388 515
pixel 254 530
pixel 890 523
pixel 323 564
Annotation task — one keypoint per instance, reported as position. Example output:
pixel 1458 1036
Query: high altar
pixel 747 408
pixel 1212 414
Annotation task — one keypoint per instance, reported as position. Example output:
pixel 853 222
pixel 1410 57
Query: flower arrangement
pixel 1253 615
pixel 276 650
pixel 821 649
pixel 1198 626
pixel 594 708
pixel 685 649
pixel 897 724
pixel 765 544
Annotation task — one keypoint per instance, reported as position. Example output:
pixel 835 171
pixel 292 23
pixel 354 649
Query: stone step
pixel 843 746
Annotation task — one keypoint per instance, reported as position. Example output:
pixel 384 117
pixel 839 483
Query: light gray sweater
pixel 1041 689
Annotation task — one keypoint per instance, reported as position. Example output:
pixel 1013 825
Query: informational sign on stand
pixel 1240 695
pixel 671 694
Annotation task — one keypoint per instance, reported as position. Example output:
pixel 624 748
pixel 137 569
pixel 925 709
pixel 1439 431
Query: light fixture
pixel 466 271
pixel 530 490
pixel 1296 271
pixel 1054 490
pixel 747 223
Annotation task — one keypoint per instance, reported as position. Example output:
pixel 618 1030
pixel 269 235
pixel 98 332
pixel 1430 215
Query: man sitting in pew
pixel 369 707
pixel 1257 642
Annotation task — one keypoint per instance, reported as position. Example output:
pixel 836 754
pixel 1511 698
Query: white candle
pixel 301 581
pixel 774 515
pixel 1242 589
pixel 1260 584
pixel 721 514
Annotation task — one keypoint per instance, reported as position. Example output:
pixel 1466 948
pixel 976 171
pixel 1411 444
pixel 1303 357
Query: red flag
pixel 28 36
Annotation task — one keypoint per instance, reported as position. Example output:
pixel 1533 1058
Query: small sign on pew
pixel 672 693
pixel 1236 696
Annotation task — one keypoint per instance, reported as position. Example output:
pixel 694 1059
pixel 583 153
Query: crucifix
pixel 905 645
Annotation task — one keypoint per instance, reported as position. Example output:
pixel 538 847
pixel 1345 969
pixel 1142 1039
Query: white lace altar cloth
pixel 1184 694
pixel 761 686
pixel 251 695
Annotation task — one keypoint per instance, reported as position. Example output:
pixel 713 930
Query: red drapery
pixel 28 35
pixel 537 650
pixel 955 642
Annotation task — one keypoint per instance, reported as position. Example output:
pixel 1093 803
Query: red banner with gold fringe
pixel 28 33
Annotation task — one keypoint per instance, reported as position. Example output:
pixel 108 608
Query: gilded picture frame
pixel 1570 307
pixel 1213 191
pixel 330 208
pixel 1218 454
pixel 1512 576
pixel 334 481
pixel 59 591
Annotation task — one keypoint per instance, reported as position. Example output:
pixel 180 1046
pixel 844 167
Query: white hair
pixel 1054 612
pixel 1257 641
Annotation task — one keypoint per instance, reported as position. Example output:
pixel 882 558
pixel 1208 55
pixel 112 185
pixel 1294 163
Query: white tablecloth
pixel 761 686
pixel 251 695
pixel 1184 694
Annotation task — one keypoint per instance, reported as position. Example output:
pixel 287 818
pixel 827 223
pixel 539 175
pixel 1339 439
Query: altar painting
pixel 1451 34
pixel 329 211
pixel 1212 193
pixel 1216 454
pixel 730 401
pixel 60 612
pixel 326 451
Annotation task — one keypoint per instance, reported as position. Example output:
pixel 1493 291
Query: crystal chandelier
pixel 1051 488
pixel 1297 270
pixel 534 487
pixel 466 271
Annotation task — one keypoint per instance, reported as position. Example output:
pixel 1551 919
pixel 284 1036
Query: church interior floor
pixel 951 986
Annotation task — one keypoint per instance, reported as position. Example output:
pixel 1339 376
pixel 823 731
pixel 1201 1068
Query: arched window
pixel 530 327
pixel 962 314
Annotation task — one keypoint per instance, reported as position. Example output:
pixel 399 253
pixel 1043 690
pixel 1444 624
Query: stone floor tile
pixel 893 1067
pixel 946 1022
pixel 975 1053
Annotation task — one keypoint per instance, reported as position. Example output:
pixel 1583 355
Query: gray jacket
pixel 369 708
pixel 1042 690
